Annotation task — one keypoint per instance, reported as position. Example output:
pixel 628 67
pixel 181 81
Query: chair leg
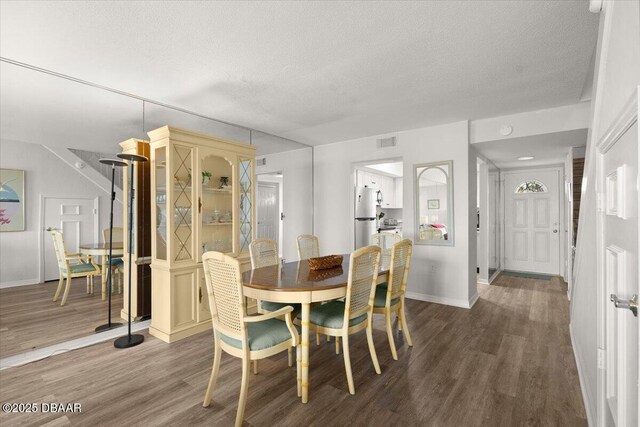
pixel 298 371
pixel 392 344
pixel 60 282
pixel 399 320
pixel 120 281
pixel 328 338
pixel 337 345
pixel 214 376
pixel 255 367
pixel 88 284
pixel 243 390
pixel 372 348
pixel 66 291
pixel 290 357
pixel 405 328
pixel 317 338
pixel 347 363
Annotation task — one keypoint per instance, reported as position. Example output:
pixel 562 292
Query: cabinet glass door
pixel 161 202
pixel 183 195
pixel 246 206
pixel 216 204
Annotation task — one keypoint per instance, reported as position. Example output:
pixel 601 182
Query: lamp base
pixel 128 341
pixel 107 327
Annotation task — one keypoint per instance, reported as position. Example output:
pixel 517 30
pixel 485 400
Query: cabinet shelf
pixel 216 224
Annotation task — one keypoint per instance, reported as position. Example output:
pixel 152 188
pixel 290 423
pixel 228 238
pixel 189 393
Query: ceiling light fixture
pixel 526 158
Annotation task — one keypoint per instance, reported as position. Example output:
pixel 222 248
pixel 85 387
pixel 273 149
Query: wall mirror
pixel 434 203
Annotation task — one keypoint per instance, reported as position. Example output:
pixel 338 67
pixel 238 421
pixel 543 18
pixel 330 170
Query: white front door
pixel 532 221
pixel 620 173
pixel 268 210
pixel 78 221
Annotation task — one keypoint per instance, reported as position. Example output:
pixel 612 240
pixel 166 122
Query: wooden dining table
pixel 295 282
pixel 102 250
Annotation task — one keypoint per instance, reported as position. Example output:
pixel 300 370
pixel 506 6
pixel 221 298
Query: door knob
pixel 631 304
pixel 555 231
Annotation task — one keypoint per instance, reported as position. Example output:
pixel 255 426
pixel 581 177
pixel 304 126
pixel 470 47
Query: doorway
pixel 77 218
pixel 532 221
pixel 269 207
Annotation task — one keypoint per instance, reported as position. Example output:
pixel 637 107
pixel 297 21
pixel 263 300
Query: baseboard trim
pixel 482 282
pixel 442 300
pixel 17 283
pixel 53 350
pixel 474 299
pixel 586 392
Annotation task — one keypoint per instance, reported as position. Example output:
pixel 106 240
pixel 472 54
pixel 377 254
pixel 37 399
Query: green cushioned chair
pixel 331 315
pixel 389 299
pixel 342 319
pixel 275 306
pixel 246 337
pixel 265 334
pixel 71 266
pixel 381 297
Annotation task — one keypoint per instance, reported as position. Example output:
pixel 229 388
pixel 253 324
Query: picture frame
pixel 433 204
pixel 12 200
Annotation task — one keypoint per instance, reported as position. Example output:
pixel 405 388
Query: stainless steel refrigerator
pixel 365 220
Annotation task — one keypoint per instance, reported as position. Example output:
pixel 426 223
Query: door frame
pixel 626 119
pixel 41 230
pixel 280 204
pixel 559 168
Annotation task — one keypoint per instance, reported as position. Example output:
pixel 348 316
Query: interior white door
pixel 532 221
pixel 76 218
pixel 268 210
pixel 620 167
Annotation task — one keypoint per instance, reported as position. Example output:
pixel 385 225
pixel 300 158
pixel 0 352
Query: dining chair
pixel 389 298
pixel 264 253
pixel 308 246
pixel 343 318
pixel 246 337
pixel 115 263
pixel 71 266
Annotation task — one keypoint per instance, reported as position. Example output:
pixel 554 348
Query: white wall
pixel 438 273
pixel 617 75
pixel 45 175
pixel 296 167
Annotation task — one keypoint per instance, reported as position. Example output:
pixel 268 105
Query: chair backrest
pixel 399 269
pixel 58 245
pixel 117 234
pixel 308 246
pixel 224 287
pixel 363 274
pixel 264 252
pixel 385 239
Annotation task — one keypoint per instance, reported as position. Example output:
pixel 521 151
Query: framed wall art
pixel 12 200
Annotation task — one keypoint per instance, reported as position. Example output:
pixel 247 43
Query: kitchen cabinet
pixel 203 194
pixel 390 187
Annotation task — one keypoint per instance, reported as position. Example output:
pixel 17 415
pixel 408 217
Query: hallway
pixel 506 362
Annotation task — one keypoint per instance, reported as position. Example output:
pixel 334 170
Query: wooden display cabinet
pixel 203 195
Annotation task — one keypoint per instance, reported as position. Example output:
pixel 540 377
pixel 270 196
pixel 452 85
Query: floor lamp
pixel 130 340
pixel 113 163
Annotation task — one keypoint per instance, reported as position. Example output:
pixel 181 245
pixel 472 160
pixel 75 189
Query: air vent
pixel 387 142
pixel 261 162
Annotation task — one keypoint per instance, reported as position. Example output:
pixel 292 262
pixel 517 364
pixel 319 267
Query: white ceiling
pixel 315 72
pixel 547 149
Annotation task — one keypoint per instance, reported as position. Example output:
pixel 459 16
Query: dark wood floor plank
pixel 506 362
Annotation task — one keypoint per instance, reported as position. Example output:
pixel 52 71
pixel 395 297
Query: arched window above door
pixel 532 186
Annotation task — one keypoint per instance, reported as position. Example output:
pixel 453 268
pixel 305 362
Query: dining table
pixel 296 283
pixel 102 250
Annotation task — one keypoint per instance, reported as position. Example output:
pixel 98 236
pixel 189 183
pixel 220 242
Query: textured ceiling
pixel 547 149
pixel 316 72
